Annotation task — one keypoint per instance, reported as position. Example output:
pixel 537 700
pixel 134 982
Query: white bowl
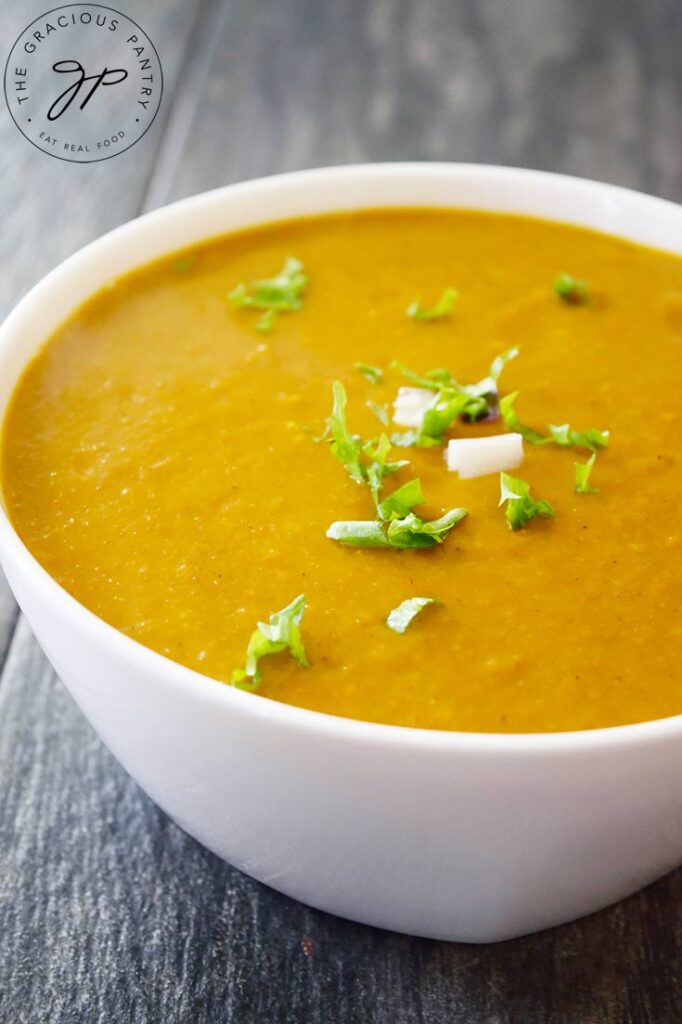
pixel 461 836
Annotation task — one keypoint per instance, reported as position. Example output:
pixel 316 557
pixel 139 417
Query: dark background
pixel 108 913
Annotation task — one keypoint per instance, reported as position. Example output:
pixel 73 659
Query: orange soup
pixel 277 427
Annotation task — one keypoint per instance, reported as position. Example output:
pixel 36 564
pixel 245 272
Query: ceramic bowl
pixel 464 836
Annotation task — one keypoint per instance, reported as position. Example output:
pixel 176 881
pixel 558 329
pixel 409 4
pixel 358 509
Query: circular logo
pixel 83 82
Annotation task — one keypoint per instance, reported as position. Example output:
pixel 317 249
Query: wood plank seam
pixel 190 85
pixel 5 649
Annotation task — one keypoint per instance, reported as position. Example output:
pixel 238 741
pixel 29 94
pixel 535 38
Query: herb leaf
pixel 442 413
pixel 401 617
pixel 487 389
pixel 591 439
pixel 450 400
pixel 413 532
pixel 472 402
pixel 572 290
pixel 344 446
pixel 380 411
pixel 359 533
pixel 266 321
pixel 398 504
pixel 282 632
pixel 378 452
pixel 405 439
pixel 281 293
pixel 374 374
pixel 582 476
pixel 563 436
pixel 499 362
pixel 512 421
pixel 405 529
pixel 434 380
pixel 407 532
pixel 443 307
pixel 350 450
pixel 521 508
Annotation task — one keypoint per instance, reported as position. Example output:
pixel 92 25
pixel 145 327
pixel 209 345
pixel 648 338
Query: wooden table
pixel 108 912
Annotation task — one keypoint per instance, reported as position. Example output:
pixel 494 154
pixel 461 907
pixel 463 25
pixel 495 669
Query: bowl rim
pixel 126 649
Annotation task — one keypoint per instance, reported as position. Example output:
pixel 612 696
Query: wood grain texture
pixel 585 88
pixel 108 912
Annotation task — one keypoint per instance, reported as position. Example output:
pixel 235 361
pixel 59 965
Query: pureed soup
pixel 277 427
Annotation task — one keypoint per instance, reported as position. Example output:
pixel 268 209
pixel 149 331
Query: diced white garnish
pixel 476 456
pixel 410 406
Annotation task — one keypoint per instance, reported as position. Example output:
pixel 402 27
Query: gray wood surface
pixel 108 912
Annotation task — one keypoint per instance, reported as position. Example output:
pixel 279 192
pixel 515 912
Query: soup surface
pixel 162 460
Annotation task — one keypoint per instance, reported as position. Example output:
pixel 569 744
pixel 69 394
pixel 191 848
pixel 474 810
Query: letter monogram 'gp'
pixel 109 76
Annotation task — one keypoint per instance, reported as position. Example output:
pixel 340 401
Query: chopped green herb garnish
pixel 447 405
pixel 380 411
pixel 408 532
pixel 571 290
pixel 450 400
pixel 563 435
pixel 374 374
pixel 499 362
pixel 405 439
pixel 183 263
pixel 282 293
pixel 377 451
pixel 443 307
pixel 521 508
pixel 567 438
pixel 512 421
pixel 487 389
pixel 366 462
pixel 359 533
pixel 344 446
pixel 434 380
pixel 281 633
pixel 266 321
pixel 401 617
pixel 582 476
pixel 401 501
pixel 413 532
